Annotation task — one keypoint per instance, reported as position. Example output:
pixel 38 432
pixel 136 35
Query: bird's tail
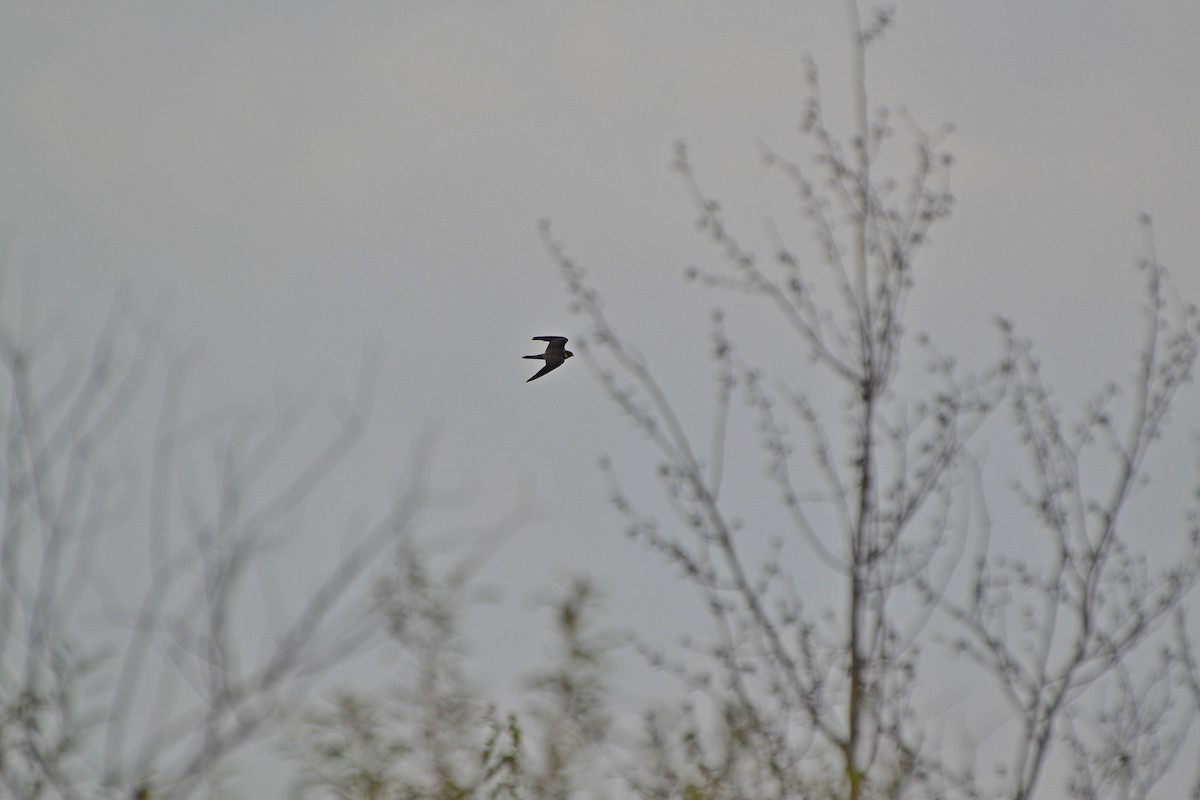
pixel 537 356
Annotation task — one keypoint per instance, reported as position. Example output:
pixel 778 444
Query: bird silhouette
pixel 556 353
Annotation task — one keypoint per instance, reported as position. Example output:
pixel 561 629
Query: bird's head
pixel 567 354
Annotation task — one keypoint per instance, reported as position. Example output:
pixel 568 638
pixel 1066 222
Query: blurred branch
pixel 179 682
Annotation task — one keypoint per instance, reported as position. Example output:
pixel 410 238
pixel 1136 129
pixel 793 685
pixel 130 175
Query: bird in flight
pixel 556 353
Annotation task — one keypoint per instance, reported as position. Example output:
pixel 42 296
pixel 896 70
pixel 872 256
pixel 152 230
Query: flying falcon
pixel 556 353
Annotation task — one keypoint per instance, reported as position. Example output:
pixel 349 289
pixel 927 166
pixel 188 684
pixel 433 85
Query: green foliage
pixel 432 735
pixel 501 759
pixel 570 695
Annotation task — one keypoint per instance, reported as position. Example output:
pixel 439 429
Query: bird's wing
pixel 554 344
pixel 550 365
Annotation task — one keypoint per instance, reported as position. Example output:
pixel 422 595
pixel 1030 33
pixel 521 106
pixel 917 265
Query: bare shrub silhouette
pixel 127 663
pixel 1073 622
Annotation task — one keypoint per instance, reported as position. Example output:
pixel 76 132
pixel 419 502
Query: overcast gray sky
pixel 298 181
